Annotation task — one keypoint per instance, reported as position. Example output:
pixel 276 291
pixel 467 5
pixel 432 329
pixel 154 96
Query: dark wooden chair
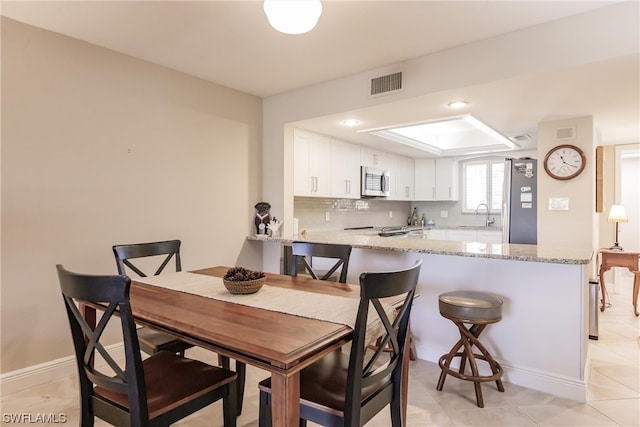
pixel 304 252
pixel 349 389
pixel 152 341
pixel 158 391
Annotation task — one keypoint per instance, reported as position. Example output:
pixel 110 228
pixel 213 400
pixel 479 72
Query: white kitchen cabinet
pixel 345 170
pixel 446 179
pixel 373 158
pixel 425 179
pixel 402 177
pixel 436 179
pixel 312 164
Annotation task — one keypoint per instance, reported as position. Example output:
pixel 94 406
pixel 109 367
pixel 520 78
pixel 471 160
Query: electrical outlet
pixel 327 216
pixel 390 214
pixel 444 214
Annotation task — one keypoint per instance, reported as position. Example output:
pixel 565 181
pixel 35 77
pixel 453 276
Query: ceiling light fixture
pixel 448 136
pixel 293 16
pixel 350 122
pixel 458 104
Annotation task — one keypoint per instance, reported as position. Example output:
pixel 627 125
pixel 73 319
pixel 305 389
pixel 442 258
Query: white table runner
pixel 329 308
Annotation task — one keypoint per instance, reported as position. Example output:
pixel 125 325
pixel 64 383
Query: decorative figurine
pixel 274 227
pixel 263 217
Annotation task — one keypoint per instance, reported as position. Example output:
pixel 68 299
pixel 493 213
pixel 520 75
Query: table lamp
pixel 617 214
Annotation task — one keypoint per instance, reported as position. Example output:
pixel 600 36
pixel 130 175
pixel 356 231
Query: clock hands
pixel 568 164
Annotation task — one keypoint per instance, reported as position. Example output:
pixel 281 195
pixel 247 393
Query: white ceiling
pixel 232 44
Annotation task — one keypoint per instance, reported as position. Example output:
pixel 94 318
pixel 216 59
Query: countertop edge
pixel 503 251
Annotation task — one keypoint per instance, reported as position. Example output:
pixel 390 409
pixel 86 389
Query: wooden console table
pixel 623 259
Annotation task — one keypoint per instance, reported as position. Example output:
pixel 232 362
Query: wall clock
pixel 564 162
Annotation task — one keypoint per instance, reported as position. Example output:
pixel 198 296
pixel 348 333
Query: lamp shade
pixel 617 214
pixel 293 16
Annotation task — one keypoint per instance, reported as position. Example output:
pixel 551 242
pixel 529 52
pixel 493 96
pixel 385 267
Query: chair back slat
pixel 125 253
pixel 366 369
pixel 306 251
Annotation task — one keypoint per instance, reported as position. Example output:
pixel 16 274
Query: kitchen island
pixel 541 340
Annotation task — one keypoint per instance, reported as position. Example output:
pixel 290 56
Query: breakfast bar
pixel 541 341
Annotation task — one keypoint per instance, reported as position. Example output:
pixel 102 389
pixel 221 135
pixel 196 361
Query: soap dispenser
pixel 423 221
pixel 414 217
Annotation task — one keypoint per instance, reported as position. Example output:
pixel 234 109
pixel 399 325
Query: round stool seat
pixel 471 306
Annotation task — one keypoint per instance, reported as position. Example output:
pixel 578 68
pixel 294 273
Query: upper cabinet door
pixel 312 164
pixel 402 177
pixel 436 179
pixel 373 158
pixel 345 170
pixel 446 179
pixel 425 179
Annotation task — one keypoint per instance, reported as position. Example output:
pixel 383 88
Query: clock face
pixel 564 162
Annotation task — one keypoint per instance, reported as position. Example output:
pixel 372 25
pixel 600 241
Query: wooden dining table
pixel 280 343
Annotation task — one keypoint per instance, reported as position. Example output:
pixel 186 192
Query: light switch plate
pixel 444 214
pixel 558 203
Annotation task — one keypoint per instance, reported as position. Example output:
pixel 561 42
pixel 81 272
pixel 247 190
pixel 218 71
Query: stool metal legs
pixel 469 338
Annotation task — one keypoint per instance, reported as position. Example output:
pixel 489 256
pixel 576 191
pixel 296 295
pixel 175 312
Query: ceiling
pixel 232 44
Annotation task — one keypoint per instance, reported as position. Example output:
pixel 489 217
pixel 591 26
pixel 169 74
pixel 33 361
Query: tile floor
pixel 613 397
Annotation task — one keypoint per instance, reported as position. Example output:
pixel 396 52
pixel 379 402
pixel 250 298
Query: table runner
pixel 329 308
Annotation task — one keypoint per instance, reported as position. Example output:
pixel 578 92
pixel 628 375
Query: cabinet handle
pixel 406 191
pixel 433 192
pixel 449 192
pixel 315 184
pixel 347 186
pixel 375 159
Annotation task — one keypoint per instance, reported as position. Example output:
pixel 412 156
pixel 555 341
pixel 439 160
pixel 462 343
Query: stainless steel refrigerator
pixel 520 201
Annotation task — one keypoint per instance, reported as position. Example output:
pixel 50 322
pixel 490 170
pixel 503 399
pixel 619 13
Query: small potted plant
pixel 239 280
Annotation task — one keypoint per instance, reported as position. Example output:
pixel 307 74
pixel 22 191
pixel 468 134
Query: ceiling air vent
pixel 520 138
pixel 385 85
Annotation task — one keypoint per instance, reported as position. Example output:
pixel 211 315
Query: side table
pixel 623 259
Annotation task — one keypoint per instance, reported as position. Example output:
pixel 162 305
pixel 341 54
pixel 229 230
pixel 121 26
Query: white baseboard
pixel 546 382
pixel 54 370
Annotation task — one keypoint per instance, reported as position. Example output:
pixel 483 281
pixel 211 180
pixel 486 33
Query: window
pixel 482 182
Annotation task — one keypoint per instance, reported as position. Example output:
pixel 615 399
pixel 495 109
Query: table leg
pixel 285 403
pixel 636 288
pixel 602 287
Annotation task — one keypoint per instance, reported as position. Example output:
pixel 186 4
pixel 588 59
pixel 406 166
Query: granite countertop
pixel 369 239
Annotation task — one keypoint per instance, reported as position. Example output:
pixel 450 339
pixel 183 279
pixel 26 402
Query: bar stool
pixel 479 310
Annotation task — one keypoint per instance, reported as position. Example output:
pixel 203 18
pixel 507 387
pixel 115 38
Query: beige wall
pixel 573 227
pixel 99 148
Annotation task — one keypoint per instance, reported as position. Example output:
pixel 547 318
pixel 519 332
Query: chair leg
pixel 86 414
pixel 264 417
pixel 241 370
pixel 469 339
pixel 445 361
pixel 229 406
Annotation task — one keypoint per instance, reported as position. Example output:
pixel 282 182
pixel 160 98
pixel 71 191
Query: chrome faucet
pixel 488 221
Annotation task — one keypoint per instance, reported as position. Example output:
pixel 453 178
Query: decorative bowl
pixel 245 286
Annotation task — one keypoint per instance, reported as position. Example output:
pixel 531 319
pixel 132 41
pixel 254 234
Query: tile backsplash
pixel 315 213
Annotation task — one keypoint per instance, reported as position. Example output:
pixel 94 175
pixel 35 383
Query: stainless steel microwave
pixel 374 182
